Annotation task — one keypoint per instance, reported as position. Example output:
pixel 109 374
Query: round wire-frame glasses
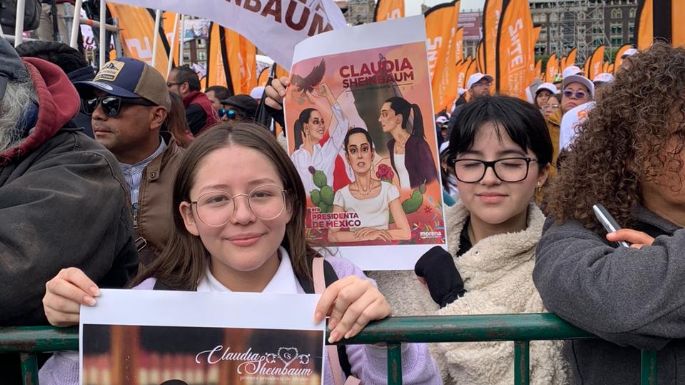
pixel 215 208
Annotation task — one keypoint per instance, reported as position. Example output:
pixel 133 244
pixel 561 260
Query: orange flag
pixel 480 57
pixel 552 68
pixel 570 59
pixel 537 72
pixel 516 58
pixel 441 32
pixel 618 60
pixel 586 65
pixel 459 54
pixel 388 9
pixel 242 62
pixel 596 65
pixel 677 25
pixel 137 34
pixel 168 21
pixel 470 70
pixel 644 26
pixel 216 66
pixel 461 69
pixel 492 15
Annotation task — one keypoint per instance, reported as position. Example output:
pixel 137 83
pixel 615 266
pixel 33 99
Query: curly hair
pixel 634 133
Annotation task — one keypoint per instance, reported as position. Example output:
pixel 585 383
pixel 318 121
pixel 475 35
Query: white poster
pixel 274 26
pixel 152 337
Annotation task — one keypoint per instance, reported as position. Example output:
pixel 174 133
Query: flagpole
pixel 73 38
pixel 171 46
pixel 181 40
pixel 104 44
pixel 155 41
pixel 19 22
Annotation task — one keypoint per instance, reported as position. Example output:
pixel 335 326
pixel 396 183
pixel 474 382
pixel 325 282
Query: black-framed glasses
pixel 575 95
pixel 506 169
pixel 111 105
pixel 215 208
pixel 171 84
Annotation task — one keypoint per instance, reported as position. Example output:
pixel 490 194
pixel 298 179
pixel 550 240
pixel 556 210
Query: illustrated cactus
pixel 323 197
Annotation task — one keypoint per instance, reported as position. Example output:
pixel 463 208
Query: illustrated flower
pixel 385 173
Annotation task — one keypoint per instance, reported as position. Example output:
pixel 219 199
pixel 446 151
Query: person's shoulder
pixel 147 284
pixel 72 146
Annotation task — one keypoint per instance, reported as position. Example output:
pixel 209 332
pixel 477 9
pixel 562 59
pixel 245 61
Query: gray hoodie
pixel 632 299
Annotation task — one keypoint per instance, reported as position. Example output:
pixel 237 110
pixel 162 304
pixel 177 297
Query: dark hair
pixel 65 57
pixel 634 133
pixel 176 122
pixel 402 107
pixel 520 120
pixel 357 130
pixel 221 92
pixel 304 117
pixel 185 74
pixel 184 260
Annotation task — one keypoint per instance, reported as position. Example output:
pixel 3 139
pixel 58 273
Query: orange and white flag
pixel 388 10
pixel 516 56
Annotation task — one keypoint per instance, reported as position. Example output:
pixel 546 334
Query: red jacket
pixel 200 99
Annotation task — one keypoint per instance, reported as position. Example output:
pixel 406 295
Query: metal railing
pixel 519 328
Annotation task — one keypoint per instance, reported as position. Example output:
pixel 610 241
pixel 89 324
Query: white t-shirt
pixel 402 172
pixel 373 212
pixel 570 123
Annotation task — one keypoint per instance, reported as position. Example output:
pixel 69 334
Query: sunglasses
pixel 575 95
pixel 229 113
pixel 112 105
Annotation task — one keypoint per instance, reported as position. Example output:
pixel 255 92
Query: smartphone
pixel 607 221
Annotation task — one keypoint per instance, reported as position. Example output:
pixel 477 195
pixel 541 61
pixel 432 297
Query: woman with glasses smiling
pixel 239 213
pixel 500 151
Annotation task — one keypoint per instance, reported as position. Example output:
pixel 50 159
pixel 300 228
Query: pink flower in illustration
pixel 385 173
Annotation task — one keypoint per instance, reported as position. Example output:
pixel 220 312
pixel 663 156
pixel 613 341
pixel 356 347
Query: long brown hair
pixel 184 260
pixel 624 140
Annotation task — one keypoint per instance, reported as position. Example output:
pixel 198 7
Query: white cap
pixel 441 119
pixel 461 91
pixel 257 92
pixel 475 78
pixel 570 71
pixel 547 86
pixel 604 77
pixel 629 52
pixel 582 80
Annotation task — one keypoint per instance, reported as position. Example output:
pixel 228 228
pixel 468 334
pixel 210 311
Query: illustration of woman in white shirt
pixel 311 126
pixel 371 199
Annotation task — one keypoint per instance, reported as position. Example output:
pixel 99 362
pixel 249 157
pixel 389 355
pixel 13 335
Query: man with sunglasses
pixel 200 114
pixel 129 104
pixel 62 199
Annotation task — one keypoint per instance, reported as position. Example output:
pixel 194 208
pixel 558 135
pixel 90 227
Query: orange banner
pixel 552 68
pixel 441 32
pixel 570 60
pixel 461 69
pixel 491 18
pixel 388 9
pixel 480 57
pixel 242 62
pixel 516 56
pixel 137 34
pixel 216 69
pixel 644 26
pixel 596 65
pixel 470 70
pixel 618 60
pixel 459 51
pixel 537 72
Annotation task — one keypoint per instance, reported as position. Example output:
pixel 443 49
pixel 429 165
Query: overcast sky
pixel 413 7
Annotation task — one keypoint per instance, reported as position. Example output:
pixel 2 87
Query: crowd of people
pixel 127 178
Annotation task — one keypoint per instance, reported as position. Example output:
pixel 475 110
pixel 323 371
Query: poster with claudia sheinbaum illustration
pixel 155 337
pixel 361 134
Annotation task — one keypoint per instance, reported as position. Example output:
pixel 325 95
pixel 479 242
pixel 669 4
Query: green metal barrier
pixel 520 328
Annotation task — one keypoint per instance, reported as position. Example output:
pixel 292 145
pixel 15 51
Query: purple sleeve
pixel 369 362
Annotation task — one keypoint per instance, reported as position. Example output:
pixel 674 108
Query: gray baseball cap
pixel 11 66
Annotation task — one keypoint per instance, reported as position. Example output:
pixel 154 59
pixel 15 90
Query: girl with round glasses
pixel 500 151
pixel 239 214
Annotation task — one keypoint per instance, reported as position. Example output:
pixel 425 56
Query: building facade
pixel 583 24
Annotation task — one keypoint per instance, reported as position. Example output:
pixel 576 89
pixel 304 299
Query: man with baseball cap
pixel 63 199
pixel 240 107
pixel 477 85
pixel 129 105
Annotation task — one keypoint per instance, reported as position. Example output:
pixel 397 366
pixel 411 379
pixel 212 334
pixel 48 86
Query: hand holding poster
pixel 362 137
pixel 147 337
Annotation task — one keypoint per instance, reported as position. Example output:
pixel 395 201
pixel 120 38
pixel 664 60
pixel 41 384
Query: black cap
pixel 245 103
pixel 11 66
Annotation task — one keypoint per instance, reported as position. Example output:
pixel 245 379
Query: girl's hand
pixel 351 303
pixel 275 92
pixel 64 294
pixel 635 238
